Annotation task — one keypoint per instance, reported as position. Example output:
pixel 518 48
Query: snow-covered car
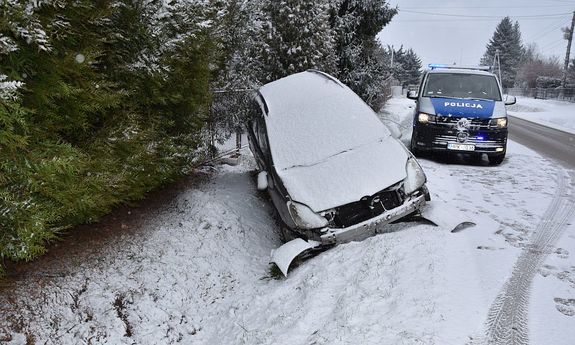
pixel 332 168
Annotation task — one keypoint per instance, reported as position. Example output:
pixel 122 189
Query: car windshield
pixel 459 85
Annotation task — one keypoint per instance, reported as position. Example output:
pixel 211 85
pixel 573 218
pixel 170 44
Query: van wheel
pixel 496 160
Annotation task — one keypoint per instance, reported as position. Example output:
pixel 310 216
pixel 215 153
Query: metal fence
pixel 388 90
pixel 229 113
pixel 564 94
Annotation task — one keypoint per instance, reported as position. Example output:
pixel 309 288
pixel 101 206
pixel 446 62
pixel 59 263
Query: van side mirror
pixel 412 95
pixel 510 100
pixel 262 180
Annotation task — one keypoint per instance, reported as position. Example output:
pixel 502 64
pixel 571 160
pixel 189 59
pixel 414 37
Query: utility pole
pixel 392 52
pixel 569 37
pixel 497 62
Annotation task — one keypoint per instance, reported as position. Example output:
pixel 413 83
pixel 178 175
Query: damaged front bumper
pixel 285 254
pixel 370 227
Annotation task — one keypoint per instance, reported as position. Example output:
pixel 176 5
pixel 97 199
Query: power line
pixel 477 7
pixel 472 16
pixel 545 31
pixel 553 44
pixel 494 19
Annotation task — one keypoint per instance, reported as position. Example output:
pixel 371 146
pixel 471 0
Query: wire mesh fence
pixel 563 94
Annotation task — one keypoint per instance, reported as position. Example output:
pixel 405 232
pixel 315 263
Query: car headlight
pixel 500 122
pixel 304 218
pixel 425 118
pixel 415 176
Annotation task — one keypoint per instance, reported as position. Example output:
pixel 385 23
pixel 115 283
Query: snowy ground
pixel 197 272
pixel 556 114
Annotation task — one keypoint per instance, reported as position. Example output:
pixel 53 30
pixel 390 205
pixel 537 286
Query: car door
pixel 259 145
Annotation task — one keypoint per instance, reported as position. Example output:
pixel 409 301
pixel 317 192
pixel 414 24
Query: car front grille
pixel 368 207
pixel 451 121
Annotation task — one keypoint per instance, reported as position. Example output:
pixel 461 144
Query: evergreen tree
pixel 235 35
pixel 51 49
pixel 356 24
pixel 507 41
pixel 240 41
pixel 295 36
pixel 100 102
pixel 238 68
pixel 406 65
pixel 412 68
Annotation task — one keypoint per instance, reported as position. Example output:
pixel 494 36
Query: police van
pixel 460 109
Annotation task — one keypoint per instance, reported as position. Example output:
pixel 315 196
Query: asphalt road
pixel 550 142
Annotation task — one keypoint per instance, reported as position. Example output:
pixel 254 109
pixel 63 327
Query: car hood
pixel 312 116
pixel 347 176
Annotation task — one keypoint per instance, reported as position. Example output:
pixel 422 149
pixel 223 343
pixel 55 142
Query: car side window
pixel 258 126
pixel 253 114
pixel 254 125
pixel 421 83
pixel 262 137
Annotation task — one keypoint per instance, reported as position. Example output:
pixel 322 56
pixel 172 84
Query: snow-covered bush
pixel 356 24
pixel 100 102
pixel 9 89
pixel 547 82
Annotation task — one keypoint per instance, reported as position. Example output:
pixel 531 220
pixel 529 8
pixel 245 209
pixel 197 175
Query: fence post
pixel 238 141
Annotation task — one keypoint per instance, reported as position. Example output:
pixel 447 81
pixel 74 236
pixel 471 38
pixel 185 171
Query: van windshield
pixel 459 85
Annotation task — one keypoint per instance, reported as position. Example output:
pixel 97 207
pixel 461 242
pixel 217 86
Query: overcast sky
pixel 461 33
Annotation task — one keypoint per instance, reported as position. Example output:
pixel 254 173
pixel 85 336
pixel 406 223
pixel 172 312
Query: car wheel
pixel 496 160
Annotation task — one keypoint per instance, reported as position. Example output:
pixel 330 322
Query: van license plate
pixel 460 147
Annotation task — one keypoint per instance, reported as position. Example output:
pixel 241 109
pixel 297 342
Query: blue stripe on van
pixel 462 107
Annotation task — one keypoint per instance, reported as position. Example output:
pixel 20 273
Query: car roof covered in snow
pixel 311 116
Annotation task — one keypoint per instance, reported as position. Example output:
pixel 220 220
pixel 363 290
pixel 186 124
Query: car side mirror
pixel 412 95
pixel 510 100
pixel 394 130
pixel 262 180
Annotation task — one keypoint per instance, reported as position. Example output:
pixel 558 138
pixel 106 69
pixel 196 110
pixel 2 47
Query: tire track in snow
pixel 507 320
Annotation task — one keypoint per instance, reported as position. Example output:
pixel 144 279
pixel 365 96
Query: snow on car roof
pixel 312 116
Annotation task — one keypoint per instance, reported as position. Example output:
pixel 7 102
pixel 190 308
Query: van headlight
pixel 304 218
pixel 425 118
pixel 499 122
pixel 415 176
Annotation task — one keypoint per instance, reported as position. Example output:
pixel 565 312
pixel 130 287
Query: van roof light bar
pixel 433 66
